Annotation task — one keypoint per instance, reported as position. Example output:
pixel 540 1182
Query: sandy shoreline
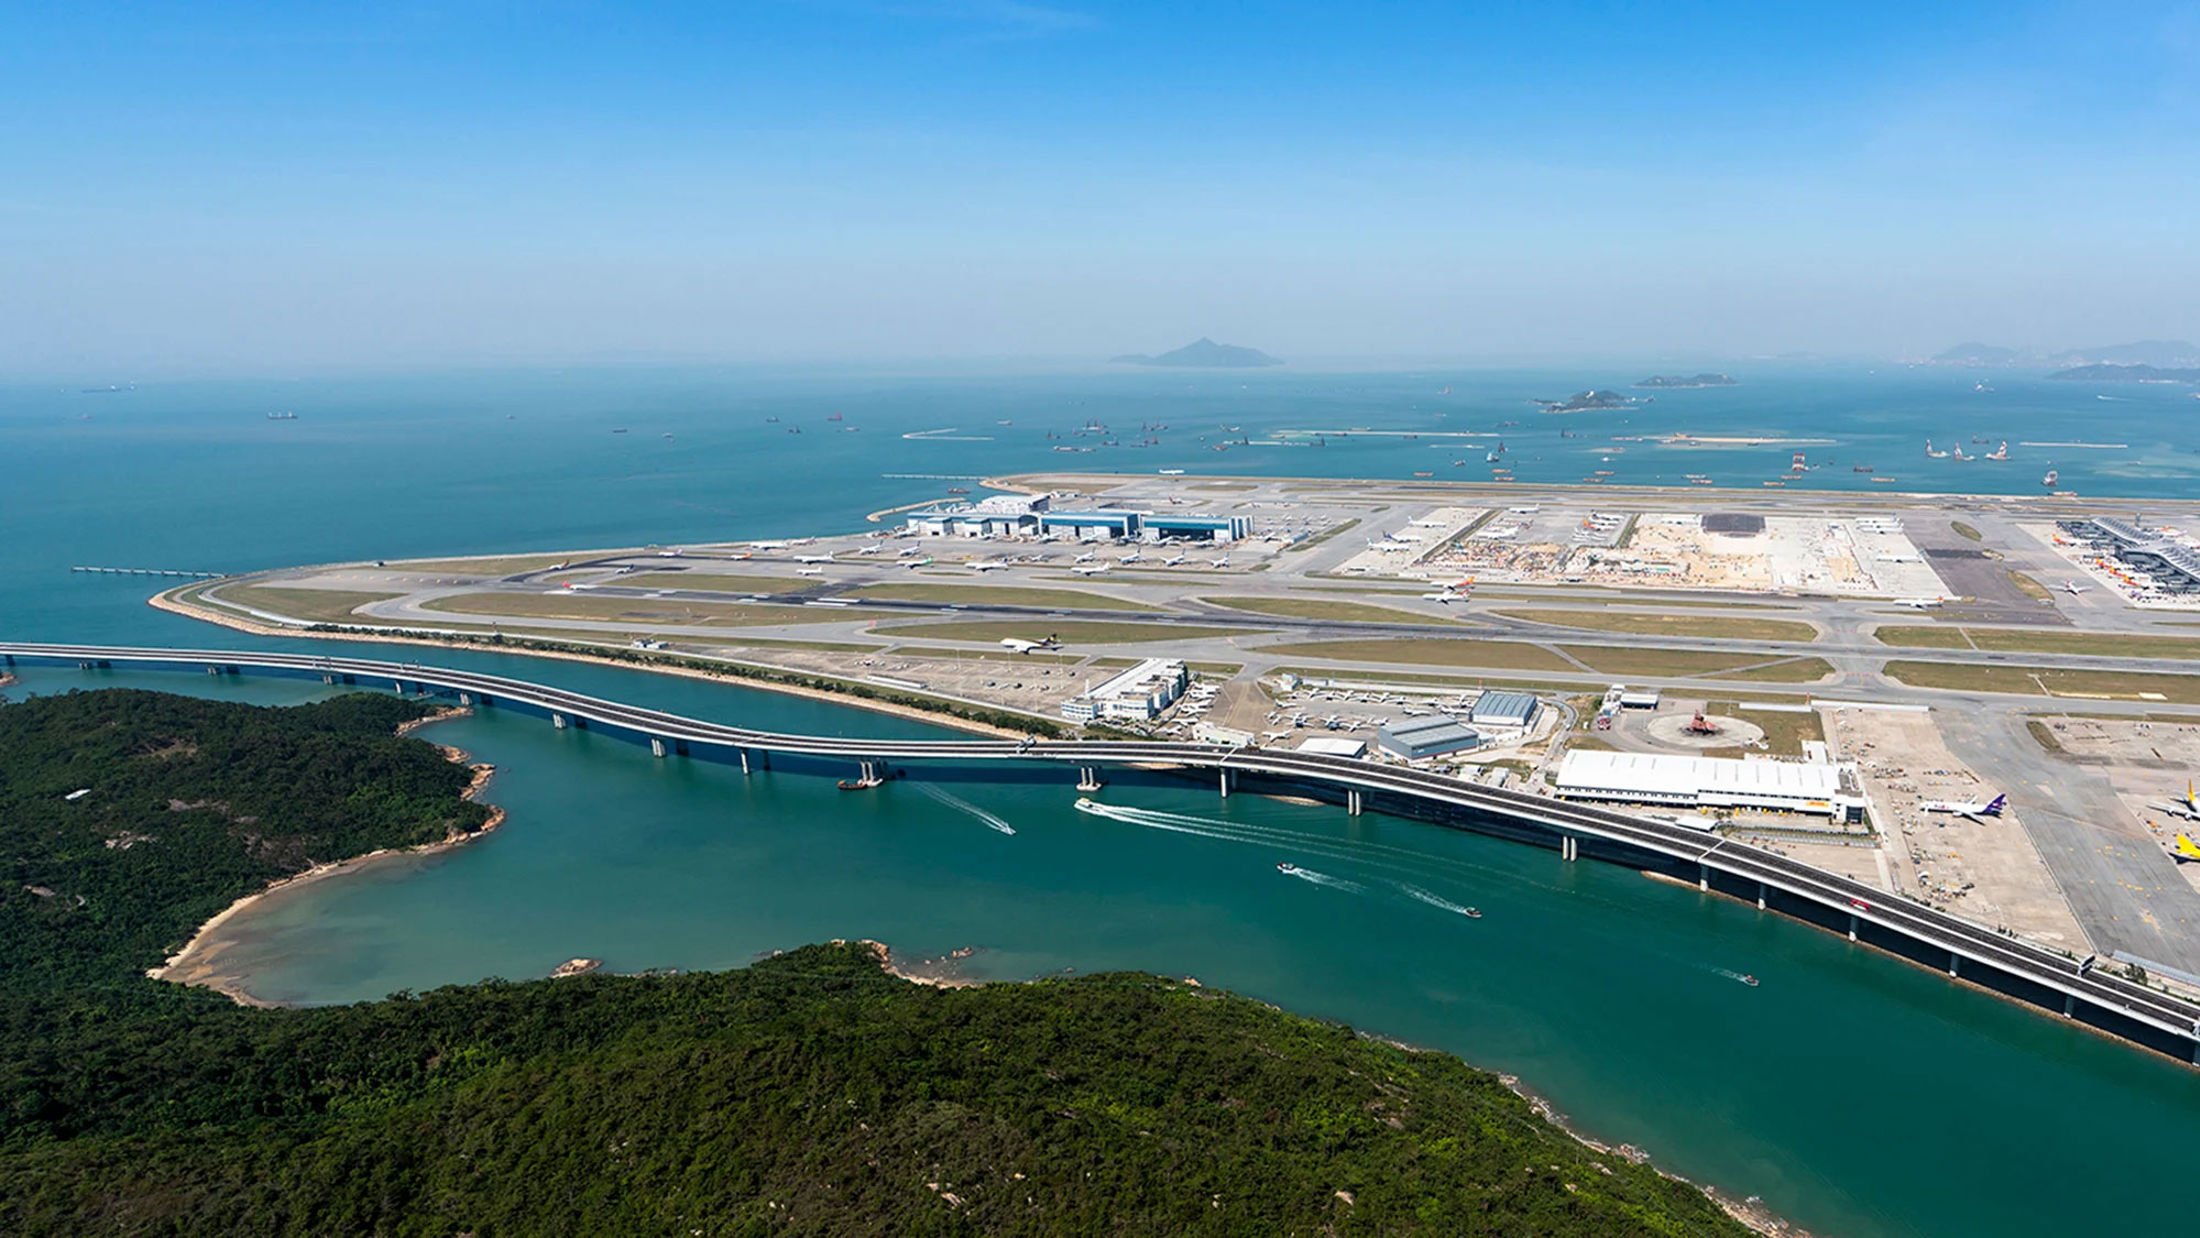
pixel 199 962
pixel 163 601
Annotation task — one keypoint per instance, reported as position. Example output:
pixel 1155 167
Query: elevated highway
pixel 1992 959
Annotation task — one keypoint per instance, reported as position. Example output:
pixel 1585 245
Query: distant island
pixel 1588 401
pixel 1675 382
pixel 2164 353
pixel 2128 374
pixel 1204 353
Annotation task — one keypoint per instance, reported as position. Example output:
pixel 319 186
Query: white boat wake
pixel 960 804
pixel 1445 904
pixel 1324 879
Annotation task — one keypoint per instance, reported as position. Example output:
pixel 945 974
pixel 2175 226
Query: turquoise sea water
pixel 1856 1094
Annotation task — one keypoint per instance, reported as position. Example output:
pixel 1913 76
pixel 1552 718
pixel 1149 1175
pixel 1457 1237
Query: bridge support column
pixel 1760 896
pixel 1569 848
pixel 1088 778
pixel 1353 805
pixel 558 721
pixel 83 666
pixel 870 771
pixel 213 670
pixel 1955 963
pixel 1703 877
pixel 1227 778
pixel 398 686
pixel 743 753
pixel 329 679
pixel 656 747
pixel 465 698
pixel 1852 926
pixel 2070 1007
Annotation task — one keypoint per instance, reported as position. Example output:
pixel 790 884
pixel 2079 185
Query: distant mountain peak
pixel 1206 353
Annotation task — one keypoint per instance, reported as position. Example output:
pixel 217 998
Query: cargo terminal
pixel 1812 788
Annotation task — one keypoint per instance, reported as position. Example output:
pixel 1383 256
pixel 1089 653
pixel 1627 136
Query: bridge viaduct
pixel 1981 955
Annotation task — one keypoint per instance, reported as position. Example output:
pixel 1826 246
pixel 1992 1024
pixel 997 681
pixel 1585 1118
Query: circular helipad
pixel 1670 730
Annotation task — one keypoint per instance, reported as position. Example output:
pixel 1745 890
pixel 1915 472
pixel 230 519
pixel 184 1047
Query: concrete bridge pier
pixel 465 698
pixel 557 720
pixel 1088 778
pixel 1852 926
pixel 2070 1008
pixel 743 753
pixel 1955 963
pixel 656 747
pixel 1703 877
pixel 1760 896
pixel 1228 780
pixel 873 771
pixel 328 679
pixel 1352 803
pixel 1569 848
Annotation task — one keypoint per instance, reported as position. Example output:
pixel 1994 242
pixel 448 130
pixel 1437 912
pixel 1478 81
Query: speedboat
pixel 1473 913
pixel 1751 981
pixel 1291 870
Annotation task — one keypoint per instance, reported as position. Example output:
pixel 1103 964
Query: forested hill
pixel 808 1094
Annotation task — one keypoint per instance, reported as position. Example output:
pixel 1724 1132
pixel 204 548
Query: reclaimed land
pixel 2035 680
pixel 2028 640
pixel 1000 595
pixel 1639 623
pixel 812 1093
pixel 659 611
pixel 1324 608
pixel 315 605
pixel 1074 631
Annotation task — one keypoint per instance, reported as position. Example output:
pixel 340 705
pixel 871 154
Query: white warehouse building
pixel 1133 696
pixel 1816 788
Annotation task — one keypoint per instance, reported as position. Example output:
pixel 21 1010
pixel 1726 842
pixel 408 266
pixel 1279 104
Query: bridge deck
pixel 1734 861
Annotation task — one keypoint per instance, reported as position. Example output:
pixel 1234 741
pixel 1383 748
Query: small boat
pixel 1860 468
pixel 1424 474
pixel 834 417
pixel 620 430
pixel 958 489
pixel 1749 980
pixel 1472 913
pixel 857 784
pixel 2050 479
pixel 1292 870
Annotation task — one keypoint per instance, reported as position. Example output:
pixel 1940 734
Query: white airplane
pixel 1224 561
pixel 1133 557
pixel 1092 569
pixel 1086 557
pixel 1918 603
pixel 914 564
pixel 2073 588
pixel 2188 807
pixel 813 558
pixel 1172 561
pixel 1447 597
pixel 908 552
pixel 809 571
pixel 987 566
pixel 1962 808
pixel 769 545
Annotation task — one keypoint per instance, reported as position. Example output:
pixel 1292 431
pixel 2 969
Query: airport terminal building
pixel 1763 783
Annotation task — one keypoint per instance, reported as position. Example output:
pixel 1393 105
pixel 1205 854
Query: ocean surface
pixel 1855 1094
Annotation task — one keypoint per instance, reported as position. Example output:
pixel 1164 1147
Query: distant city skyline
pixel 232 189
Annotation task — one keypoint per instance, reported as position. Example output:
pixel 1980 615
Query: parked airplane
pixel 1133 557
pixel 813 558
pixel 1172 561
pixel 1092 569
pixel 809 571
pixel 2188 807
pixel 1224 561
pixel 914 564
pixel 1961 808
pixel 908 552
pixel 1086 557
pixel 2184 850
pixel 1016 645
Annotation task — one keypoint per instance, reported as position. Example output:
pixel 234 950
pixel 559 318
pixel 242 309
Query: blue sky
pixel 260 187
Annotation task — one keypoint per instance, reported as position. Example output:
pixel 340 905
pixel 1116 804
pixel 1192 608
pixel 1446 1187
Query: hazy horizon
pixel 227 190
